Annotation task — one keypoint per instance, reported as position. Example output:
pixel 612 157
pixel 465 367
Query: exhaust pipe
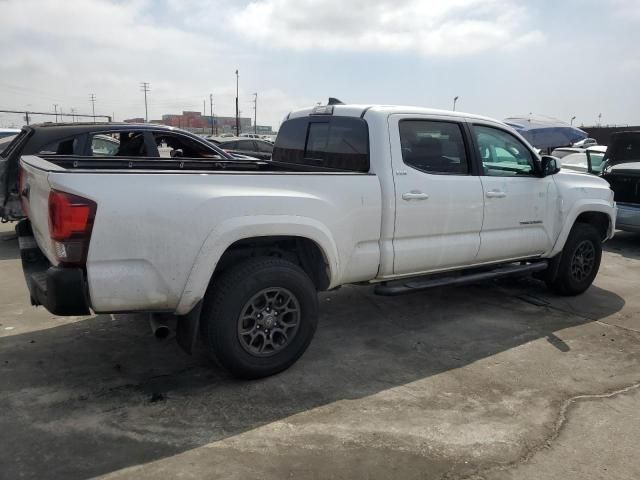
pixel 159 327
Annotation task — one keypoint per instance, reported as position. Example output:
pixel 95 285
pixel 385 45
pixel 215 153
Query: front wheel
pixel 579 261
pixel 260 317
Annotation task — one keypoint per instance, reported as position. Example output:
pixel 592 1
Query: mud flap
pixel 187 328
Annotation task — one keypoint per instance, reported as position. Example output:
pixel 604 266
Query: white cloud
pixel 58 52
pixel 628 10
pixel 426 27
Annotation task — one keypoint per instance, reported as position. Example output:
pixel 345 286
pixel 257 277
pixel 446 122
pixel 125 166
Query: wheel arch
pixel 303 240
pixel 600 215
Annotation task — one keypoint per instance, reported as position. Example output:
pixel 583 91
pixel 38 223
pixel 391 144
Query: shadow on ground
pixel 626 244
pixel 100 394
pixel 9 245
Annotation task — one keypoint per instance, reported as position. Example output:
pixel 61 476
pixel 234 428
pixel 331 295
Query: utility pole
pixel 211 102
pixel 92 97
pixel 455 100
pixel 599 119
pixel 55 108
pixel 145 87
pixel 255 113
pixel 237 111
pixel 73 115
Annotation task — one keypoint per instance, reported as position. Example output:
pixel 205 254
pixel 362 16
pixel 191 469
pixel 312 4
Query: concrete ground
pixel 495 381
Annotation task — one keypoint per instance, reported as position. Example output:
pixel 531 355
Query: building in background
pixel 198 123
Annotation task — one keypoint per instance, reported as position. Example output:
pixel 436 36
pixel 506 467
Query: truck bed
pixel 161 225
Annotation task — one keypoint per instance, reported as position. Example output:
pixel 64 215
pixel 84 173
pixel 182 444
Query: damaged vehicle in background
pixel 102 142
pixel 622 171
pixel 618 164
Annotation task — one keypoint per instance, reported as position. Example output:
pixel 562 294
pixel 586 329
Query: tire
pixel 579 261
pixel 246 290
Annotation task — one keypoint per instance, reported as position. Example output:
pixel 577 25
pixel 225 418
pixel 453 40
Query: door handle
pixel 414 195
pixel 496 194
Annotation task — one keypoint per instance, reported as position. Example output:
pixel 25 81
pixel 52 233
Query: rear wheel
pixel 260 317
pixel 579 262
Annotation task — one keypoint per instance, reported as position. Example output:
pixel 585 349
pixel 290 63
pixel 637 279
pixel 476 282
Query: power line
pixel 145 87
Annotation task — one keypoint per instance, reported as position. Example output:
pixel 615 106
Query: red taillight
pixel 70 223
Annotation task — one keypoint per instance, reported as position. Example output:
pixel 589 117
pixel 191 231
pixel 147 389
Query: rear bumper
pixel 62 291
pixel 628 217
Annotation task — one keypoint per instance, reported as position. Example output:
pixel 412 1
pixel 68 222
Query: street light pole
pixel 455 100
pixel 237 112
pixel 572 119
pixel 55 108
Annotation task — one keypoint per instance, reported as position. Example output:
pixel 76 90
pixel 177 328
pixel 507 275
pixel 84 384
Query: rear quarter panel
pixel 158 236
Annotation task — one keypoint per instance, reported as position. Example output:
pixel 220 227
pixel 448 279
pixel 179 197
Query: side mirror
pixel 177 153
pixel 549 165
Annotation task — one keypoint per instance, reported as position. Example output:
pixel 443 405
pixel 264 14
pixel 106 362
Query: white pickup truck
pixel 405 198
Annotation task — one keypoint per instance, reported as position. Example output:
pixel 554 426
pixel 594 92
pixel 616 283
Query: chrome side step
pixel 410 285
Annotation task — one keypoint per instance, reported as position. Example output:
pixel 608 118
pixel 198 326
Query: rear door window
pixel 434 147
pixel 340 143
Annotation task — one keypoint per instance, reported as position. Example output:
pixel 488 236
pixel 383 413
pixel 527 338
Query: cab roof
pixel 385 110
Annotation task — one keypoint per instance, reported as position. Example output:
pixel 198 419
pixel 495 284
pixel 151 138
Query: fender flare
pixel 235 229
pixel 577 209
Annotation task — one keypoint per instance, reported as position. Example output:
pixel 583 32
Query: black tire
pixel 573 276
pixel 232 295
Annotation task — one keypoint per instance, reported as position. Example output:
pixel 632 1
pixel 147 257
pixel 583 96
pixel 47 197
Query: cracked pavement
pixel 499 380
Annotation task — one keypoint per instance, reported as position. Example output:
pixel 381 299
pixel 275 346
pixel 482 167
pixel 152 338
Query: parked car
pixel 587 142
pixel 589 160
pixel 564 151
pixel 622 171
pixel 254 148
pixel 400 197
pixel 251 135
pixel 8 132
pixel 103 140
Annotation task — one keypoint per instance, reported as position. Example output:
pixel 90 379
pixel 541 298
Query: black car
pixel 622 171
pixel 252 147
pixel 98 140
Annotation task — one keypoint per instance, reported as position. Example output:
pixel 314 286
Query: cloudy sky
pixel 501 57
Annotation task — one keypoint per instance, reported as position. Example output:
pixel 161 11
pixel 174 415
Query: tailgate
pixel 35 190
